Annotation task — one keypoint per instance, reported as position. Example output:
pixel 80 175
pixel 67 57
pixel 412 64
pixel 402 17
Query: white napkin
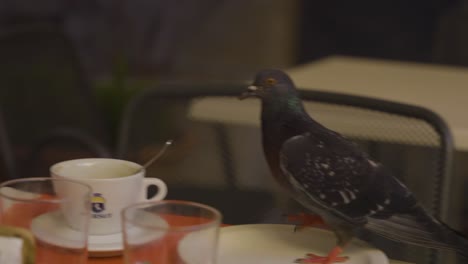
pixel 11 250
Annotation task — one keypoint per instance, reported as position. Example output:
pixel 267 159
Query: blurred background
pixel 69 70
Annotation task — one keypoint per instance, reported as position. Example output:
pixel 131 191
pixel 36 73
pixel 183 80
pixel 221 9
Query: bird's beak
pixel 250 92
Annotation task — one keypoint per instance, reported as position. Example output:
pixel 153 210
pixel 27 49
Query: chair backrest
pixel 163 113
pixel 201 164
pixel 386 128
pixel 218 145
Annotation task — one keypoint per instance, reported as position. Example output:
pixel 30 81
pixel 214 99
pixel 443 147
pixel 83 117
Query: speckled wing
pixel 327 172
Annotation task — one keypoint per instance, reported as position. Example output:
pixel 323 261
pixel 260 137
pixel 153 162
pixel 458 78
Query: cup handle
pixel 162 189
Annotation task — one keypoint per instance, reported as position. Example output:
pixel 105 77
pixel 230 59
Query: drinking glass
pixel 43 207
pixel 170 232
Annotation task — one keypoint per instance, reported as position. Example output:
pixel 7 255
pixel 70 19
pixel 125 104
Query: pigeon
pixel 332 177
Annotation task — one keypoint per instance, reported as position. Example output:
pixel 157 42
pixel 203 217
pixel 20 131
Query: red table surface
pixel 27 212
pixel 179 220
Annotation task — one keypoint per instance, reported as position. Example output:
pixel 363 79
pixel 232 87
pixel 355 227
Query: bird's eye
pixel 271 81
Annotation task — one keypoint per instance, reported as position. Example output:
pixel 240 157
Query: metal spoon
pixel 156 157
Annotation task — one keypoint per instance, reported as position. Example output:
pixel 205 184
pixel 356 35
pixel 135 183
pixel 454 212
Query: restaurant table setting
pixel 102 208
pixel 76 224
pixel 116 184
pixel 56 214
pixel 71 221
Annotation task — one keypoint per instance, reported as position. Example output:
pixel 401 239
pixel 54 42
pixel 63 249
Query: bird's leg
pixel 304 220
pixel 343 234
pixel 331 258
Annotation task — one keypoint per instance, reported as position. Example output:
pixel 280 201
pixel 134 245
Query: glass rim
pixel 88 188
pixel 216 221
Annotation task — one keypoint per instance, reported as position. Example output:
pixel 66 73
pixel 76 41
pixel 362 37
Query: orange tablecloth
pixel 27 212
pixel 110 260
pixel 179 220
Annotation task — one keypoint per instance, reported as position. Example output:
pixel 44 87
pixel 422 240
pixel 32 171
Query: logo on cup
pixel 98 206
pixel 98 203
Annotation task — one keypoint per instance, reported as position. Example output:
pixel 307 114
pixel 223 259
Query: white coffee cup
pixel 116 184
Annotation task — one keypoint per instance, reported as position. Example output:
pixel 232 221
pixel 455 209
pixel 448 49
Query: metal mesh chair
pixel 199 166
pixel 217 157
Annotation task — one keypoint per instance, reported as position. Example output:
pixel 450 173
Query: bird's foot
pixel 312 258
pixel 304 220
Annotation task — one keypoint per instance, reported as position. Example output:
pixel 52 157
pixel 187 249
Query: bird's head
pixel 270 84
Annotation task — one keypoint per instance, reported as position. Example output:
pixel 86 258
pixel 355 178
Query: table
pixel 119 260
pixel 438 88
pixel 179 219
pixel 108 260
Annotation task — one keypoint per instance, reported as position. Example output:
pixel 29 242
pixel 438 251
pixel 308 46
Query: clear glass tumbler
pixel 55 211
pixel 170 232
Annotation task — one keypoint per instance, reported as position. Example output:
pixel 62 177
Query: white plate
pixel 198 246
pixel 279 244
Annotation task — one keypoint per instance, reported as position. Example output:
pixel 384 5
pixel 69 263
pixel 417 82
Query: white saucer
pixel 279 244
pixel 53 229
pixel 105 245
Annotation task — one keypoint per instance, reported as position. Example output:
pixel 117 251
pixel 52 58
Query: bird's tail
pixel 421 229
pixel 454 239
